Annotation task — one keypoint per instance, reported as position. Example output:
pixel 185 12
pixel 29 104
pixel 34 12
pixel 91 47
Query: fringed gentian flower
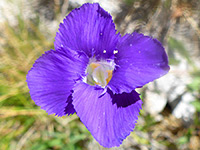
pixel 94 72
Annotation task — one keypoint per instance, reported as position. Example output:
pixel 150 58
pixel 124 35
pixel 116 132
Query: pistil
pixel 99 73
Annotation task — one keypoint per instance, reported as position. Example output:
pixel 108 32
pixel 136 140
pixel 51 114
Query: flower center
pixel 99 73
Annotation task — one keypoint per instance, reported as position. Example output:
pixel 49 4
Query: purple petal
pixel 89 29
pixel 69 109
pixel 140 59
pixel 110 118
pixel 52 78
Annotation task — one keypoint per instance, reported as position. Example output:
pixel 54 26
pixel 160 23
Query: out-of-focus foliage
pixel 177 46
pixel 24 126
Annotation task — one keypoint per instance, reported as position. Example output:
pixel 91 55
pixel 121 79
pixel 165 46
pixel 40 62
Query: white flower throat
pixel 99 73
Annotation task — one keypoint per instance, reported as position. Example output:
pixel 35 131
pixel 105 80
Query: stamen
pixel 94 65
pixel 99 73
pixel 109 75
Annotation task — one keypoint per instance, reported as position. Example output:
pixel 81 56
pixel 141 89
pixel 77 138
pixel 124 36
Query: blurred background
pixel 170 119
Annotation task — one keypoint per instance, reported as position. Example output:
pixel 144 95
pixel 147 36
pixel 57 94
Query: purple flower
pixel 94 72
